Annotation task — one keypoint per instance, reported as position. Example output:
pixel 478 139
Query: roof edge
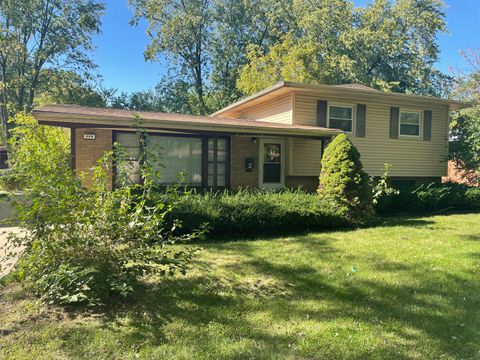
pixel 452 104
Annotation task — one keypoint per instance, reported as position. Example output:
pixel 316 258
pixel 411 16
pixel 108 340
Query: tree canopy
pixel 40 34
pixel 465 126
pixel 389 46
pixel 221 50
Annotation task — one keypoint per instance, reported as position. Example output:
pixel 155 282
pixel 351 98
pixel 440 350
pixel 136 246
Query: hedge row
pixel 256 212
pixel 431 198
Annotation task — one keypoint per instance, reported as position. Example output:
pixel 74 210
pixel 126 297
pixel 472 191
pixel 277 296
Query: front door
pixel 272 163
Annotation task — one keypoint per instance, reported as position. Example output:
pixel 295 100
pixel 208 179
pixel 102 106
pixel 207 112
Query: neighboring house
pixel 274 138
pixel 460 176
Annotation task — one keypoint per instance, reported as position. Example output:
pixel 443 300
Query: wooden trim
pixel 73 148
pixel 215 161
pixel 204 162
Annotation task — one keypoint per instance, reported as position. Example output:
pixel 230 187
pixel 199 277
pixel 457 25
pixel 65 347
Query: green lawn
pixel 407 289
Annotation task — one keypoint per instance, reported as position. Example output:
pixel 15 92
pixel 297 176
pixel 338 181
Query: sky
pixel 120 47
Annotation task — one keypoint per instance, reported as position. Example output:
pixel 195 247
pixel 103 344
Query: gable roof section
pixel 83 116
pixel 352 89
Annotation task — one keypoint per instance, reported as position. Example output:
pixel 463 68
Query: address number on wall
pixel 89 136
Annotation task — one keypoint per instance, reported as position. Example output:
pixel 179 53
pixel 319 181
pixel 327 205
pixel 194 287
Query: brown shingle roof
pixel 357 86
pixel 74 115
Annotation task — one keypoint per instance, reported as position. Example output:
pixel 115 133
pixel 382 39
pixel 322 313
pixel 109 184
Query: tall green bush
pixel 34 150
pixel 343 182
pixel 91 245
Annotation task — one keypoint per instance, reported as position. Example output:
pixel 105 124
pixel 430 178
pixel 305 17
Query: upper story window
pixel 409 123
pixel 340 117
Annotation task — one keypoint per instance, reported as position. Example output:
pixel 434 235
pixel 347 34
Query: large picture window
pixel 340 117
pixel 409 123
pixel 176 155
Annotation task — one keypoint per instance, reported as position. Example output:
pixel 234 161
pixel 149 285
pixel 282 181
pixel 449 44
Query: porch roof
pixel 81 116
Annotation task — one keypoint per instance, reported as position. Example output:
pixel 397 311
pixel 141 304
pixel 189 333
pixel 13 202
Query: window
pixel 272 163
pixel 340 117
pixel 130 166
pixel 178 155
pixel 217 162
pixel 409 124
pixel 173 155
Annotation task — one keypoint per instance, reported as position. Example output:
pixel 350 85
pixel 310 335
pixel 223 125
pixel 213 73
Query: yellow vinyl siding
pixel 278 110
pixel 304 157
pixel 408 156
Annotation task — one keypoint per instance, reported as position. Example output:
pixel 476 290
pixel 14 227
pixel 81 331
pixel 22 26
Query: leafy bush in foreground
pixel 86 246
pixel 251 212
pixel 343 182
pixel 432 197
pixel 33 145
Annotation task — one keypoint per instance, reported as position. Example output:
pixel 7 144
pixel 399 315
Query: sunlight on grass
pixel 406 289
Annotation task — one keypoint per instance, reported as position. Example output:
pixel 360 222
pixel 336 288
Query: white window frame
pixel 420 122
pixel 343 106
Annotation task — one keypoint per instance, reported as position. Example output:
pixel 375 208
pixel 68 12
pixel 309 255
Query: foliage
pixel 68 87
pixel 85 246
pixel 389 46
pixel 381 187
pixel 205 42
pixel 40 34
pixel 343 182
pixel 35 149
pixel 464 146
pixel 256 212
pixel 428 198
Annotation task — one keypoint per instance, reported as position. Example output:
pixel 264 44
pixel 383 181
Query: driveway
pixel 5 267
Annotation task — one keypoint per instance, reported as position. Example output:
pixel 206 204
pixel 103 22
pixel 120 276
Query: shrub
pixel 343 183
pixel 10 180
pixel 87 246
pixel 428 198
pixel 253 212
pixel 34 147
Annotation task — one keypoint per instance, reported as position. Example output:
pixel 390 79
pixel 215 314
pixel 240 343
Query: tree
pixel 68 87
pixel 343 182
pixel 465 126
pixel 178 29
pixel 205 42
pixel 36 34
pixel 388 46
pixel 236 26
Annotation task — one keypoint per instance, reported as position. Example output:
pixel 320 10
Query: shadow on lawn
pixel 440 305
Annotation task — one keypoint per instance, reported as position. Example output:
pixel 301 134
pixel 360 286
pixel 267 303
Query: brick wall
pixel 241 148
pixel 87 152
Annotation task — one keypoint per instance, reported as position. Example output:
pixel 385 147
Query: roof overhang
pixel 86 117
pixel 336 91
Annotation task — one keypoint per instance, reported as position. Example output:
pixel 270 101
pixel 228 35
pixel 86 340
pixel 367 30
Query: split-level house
pixel 272 139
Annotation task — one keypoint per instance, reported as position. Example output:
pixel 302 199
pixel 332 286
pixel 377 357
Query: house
pixel 274 138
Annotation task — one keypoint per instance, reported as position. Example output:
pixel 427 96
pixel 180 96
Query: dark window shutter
pixel 361 119
pixel 394 119
pixel 322 113
pixel 427 125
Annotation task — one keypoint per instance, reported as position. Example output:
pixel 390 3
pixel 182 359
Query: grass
pixel 406 289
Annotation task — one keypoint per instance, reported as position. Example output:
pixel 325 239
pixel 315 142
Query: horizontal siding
pixel 304 157
pixel 408 157
pixel 278 110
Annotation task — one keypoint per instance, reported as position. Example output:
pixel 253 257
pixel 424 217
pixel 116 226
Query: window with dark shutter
pixel 361 120
pixel 394 118
pixel 322 113
pixel 427 125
